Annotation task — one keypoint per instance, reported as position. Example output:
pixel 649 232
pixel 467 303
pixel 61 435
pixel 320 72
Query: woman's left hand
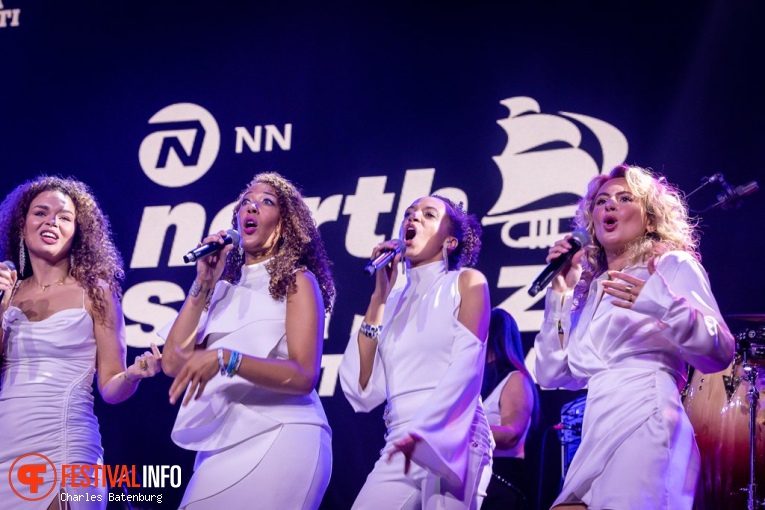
pixel 146 365
pixel 405 446
pixel 200 367
pixel 625 287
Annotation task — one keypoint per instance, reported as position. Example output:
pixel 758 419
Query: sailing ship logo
pixel 545 157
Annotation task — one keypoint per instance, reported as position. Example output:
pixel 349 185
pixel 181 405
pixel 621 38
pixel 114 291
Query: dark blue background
pixel 375 90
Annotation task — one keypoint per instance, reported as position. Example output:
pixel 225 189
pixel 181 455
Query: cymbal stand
pixel 750 374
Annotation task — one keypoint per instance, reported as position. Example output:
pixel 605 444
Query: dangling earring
pixel 445 255
pixel 22 257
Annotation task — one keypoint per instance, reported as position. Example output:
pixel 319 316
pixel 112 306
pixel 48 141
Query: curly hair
pixel 94 259
pixel 467 230
pixel 299 247
pixel 669 226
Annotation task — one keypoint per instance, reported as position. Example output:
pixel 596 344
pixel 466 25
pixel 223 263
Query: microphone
pixel 578 239
pixel 384 258
pixel 12 267
pixel 733 196
pixel 231 237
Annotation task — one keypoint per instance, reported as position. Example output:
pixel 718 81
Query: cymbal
pixel 747 317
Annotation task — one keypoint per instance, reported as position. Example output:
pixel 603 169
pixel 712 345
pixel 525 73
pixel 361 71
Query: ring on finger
pixel 143 364
pixel 629 289
pixel 630 298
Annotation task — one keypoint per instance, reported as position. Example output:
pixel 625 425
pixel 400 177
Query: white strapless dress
pixel 46 401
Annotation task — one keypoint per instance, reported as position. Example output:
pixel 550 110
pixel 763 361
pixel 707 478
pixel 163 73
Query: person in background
pixel 624 317
pixel 62 323
pixel 421 346
pixel 246 348
pixel 512 406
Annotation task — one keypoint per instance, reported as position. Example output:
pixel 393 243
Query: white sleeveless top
pixel 243 317
pixel 491 407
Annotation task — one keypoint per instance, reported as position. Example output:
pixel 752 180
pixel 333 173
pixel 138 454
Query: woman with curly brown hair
pixel 421 346
pixel 62 321
pixel 246 348
pixel 623 318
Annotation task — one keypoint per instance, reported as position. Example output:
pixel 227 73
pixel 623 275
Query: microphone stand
pixel 730 198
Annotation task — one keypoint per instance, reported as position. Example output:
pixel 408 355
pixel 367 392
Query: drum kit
pixel 729 422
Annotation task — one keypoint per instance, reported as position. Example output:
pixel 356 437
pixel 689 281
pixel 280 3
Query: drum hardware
pixel 753 396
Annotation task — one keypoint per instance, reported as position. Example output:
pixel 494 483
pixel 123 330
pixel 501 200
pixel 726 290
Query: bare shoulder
pixel 470 278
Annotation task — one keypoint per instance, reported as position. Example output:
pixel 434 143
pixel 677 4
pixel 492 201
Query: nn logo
pixel 182 147
pixel 28 479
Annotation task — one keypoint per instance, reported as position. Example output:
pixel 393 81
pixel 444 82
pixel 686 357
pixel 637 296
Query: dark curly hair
pixel 94 259
pixel 299 247
pixel 467 230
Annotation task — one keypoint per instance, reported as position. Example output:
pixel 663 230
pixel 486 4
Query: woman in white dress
pixel 623 318
pixel 512 407
pixel 246 348
pixel 62 322
pixel 422 347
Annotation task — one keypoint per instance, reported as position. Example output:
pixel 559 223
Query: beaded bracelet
pixel 370 331
pixel 221 362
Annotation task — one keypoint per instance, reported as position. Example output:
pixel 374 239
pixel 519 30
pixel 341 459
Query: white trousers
pixel 387 487
pixel 293 474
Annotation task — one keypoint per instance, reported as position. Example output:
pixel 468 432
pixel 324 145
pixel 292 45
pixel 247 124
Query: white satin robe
pixel 638 450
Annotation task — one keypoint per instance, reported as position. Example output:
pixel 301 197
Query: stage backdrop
pixel 167 109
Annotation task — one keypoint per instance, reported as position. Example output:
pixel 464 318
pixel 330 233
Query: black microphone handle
pixel 382 260
pixel 554 267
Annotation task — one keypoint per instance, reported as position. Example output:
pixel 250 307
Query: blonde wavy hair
pixel 94 259
pixel 299 247
pixel 669 227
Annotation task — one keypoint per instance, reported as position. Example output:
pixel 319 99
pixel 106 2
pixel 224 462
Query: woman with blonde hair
pixel 246 349
pixel 623 318
pixel 62 322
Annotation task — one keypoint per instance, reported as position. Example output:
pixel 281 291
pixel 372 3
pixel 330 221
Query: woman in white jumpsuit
pixel 422 347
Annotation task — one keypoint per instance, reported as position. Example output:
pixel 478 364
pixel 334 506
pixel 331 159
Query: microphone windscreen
pixel 234 234
pixel 581 236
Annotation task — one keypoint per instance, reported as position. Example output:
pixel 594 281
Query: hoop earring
pixel 22 257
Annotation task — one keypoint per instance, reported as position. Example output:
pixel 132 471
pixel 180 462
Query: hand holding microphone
pixel 386 253
pixel 211 258
pixel 562 255
pixel 7 279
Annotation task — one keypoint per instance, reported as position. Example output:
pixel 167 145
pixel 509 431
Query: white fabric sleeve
pixel 551 368
pixel 444 425
pixel 679 295
pixel 374 394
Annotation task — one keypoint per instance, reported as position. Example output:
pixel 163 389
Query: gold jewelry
pixel 60 281
pixel 143 364
pixel 629 289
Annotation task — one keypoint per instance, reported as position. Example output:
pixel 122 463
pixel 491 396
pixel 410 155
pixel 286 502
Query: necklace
pixel 60 281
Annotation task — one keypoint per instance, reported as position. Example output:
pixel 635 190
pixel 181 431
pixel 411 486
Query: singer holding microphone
pixel 624 316
pixel 62 323
pixel 246 350
pixel 421 346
